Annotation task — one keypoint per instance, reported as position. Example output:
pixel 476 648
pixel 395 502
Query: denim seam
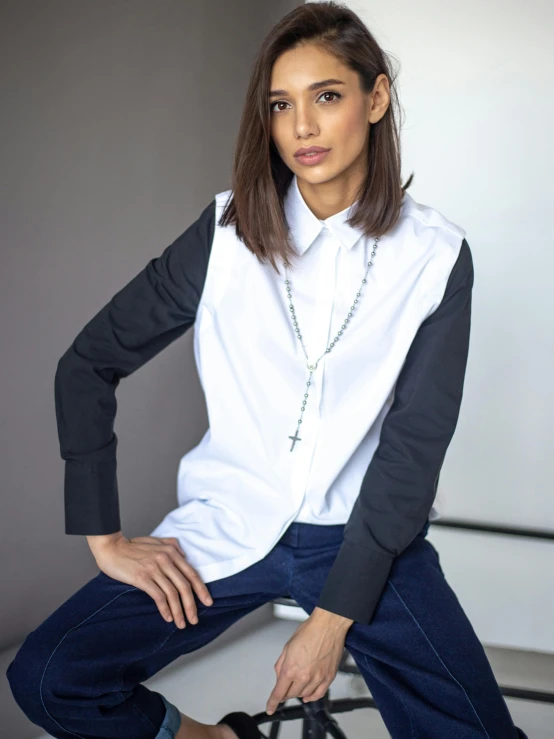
pixel 58 644
pixel 406 707
pixel 145 656
pixel 440 660
pixel 157 649
pixel 154 651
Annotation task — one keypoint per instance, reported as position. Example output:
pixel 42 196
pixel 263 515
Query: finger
pixel 279 663
pixel 157 595
pixel 174 542
pixel 145 540
pixel 195 580
pixel 183 586
pixel 278 693
pixel 172 597
pixel 294 691
pixel 177 589
pixel 313 691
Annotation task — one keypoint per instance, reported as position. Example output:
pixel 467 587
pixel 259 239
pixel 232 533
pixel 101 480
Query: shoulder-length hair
pixel 260 178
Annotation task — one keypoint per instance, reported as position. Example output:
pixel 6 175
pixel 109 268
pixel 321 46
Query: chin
pixel 315 177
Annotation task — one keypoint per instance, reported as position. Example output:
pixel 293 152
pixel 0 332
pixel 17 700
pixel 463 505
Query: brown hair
pixel 259 181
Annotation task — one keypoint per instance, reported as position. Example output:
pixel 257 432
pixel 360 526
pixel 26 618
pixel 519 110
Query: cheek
pixel 346 128
pixel 354 128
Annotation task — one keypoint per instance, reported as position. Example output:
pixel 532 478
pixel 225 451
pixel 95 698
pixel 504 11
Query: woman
pixel 317 477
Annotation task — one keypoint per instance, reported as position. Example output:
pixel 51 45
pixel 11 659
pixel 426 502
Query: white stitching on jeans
pixel 154 651
pixel 58 644
pixel 171 633
pixel 438 656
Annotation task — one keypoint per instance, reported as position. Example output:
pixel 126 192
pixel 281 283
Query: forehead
pixel 296 68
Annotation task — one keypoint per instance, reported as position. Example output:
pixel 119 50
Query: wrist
pixel 333 620
pixel 101 542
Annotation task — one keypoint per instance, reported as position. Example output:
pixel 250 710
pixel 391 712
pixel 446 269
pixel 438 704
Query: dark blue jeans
pixel 80 672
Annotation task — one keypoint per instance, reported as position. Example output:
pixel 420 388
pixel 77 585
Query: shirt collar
pixel 305 226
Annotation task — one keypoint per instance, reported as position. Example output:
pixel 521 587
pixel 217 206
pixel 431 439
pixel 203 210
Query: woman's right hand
pixel 158 566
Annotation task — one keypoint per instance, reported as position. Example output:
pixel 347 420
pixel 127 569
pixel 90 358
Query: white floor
pixel 238 676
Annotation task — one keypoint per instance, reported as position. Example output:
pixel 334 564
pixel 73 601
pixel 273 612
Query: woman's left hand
pixel 310 659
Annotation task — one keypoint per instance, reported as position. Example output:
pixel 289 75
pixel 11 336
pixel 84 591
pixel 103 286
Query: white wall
pixel 476 82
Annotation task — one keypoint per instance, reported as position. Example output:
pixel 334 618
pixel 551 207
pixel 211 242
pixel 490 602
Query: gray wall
pixel 118 126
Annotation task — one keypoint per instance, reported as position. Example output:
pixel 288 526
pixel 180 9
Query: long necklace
pixel 313 367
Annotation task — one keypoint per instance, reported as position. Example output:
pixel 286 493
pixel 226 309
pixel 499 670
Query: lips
pixel 312 159
pixel 309 150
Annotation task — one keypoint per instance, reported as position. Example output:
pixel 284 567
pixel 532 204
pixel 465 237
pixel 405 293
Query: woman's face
pixel 337 115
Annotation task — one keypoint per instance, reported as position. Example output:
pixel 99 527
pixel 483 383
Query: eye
pixel 327 102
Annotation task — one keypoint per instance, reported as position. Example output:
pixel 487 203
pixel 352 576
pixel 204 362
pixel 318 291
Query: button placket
pixel 321 330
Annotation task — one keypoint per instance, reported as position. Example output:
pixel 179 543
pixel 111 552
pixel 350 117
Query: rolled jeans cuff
pixel 171 722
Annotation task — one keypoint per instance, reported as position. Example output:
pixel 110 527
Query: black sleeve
pixel 156 307
pixel 400 484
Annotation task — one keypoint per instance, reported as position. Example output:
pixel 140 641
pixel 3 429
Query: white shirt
pixel 241 487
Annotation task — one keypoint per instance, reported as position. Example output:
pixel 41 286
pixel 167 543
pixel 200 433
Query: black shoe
pixel 243 724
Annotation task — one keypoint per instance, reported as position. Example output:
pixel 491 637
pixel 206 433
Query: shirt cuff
pixel 355 582
pixel 91 497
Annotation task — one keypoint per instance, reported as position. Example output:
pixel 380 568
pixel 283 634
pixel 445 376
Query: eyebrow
pixel 310 88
